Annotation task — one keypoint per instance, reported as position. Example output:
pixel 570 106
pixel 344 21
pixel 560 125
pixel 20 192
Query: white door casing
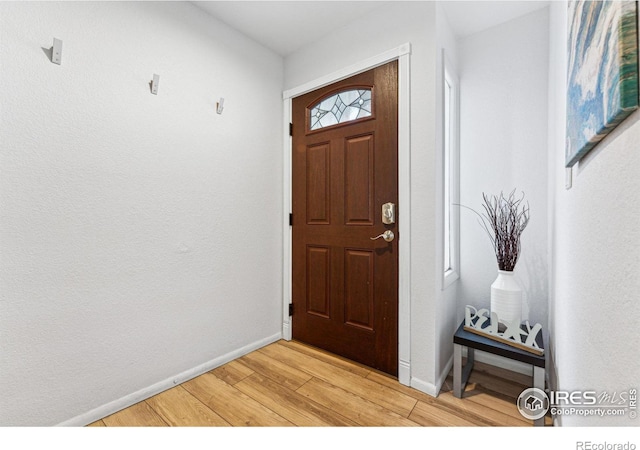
pixel 402 54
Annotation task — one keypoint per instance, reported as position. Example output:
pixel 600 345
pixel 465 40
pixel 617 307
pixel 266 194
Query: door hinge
pixel 290 219
pixel 290 129
pixel 290 309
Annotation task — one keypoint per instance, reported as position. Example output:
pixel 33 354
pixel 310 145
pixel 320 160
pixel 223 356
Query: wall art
pixel 602 79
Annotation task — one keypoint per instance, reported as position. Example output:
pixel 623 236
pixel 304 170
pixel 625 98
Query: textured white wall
pixel 504 81
pixel 595 276
pixel 140 235
pixel 448 310
pixel 386 28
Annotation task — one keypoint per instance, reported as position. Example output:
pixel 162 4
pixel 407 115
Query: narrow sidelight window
pixel 451 190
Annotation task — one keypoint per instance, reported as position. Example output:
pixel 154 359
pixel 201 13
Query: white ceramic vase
pixel 506 297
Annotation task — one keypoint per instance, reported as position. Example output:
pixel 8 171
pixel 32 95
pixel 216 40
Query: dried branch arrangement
pixel 504 219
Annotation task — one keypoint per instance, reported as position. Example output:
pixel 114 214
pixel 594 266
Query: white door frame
pixel 402 55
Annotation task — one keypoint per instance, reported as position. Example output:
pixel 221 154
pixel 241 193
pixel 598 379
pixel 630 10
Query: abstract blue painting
pixel 602 79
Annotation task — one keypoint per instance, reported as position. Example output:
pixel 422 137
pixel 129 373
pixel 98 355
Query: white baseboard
pixel 430 388
pixel 404 372
pixel 424 386
pixel 445 373
pixel 287 332
pixel 142 394
pixel 487 358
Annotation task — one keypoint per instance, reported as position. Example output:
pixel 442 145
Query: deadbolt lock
pixel 389 213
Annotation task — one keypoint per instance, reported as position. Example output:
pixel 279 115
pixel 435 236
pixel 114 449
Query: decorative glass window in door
pixel 342 107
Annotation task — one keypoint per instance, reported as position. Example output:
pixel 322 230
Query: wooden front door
pixel 345 167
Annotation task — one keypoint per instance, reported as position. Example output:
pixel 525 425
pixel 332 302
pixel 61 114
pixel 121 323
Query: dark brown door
pixel 345 167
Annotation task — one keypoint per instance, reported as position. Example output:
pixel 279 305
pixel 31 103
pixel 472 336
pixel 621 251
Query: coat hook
pixel 154 84
pixel 220 105
pixel 56 51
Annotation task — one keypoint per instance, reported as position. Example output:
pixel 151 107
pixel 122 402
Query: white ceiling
pixel 469 17
pixel 285 26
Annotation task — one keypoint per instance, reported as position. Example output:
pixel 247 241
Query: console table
pixel 474 342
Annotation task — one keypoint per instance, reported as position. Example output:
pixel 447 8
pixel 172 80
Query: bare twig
pixel 504 219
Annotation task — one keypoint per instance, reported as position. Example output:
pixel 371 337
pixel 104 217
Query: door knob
pixel 387 236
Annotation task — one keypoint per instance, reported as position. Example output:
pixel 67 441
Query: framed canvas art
pixel 602 79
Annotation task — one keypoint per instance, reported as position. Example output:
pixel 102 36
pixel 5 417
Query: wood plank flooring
pixel 291 384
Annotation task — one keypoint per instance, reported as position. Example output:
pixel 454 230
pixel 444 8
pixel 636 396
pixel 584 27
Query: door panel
pixel 359 182
pixel 318 281
pixel 345 285
pixel 318 184
pixel 358 282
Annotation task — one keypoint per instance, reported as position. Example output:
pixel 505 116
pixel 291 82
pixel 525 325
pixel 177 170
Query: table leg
pixel 538 382
pixel 461 374
pixel 457 370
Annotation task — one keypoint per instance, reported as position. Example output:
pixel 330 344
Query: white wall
pixel 384 29
pixel 504 81
pixel 447 307
pixel 595 237
pixel 130 223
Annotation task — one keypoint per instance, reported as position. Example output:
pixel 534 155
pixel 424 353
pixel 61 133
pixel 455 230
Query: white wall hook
pixel 56 51
pixel 220 105
pixel 154 84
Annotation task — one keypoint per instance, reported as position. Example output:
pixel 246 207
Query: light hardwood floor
pixel 291 384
